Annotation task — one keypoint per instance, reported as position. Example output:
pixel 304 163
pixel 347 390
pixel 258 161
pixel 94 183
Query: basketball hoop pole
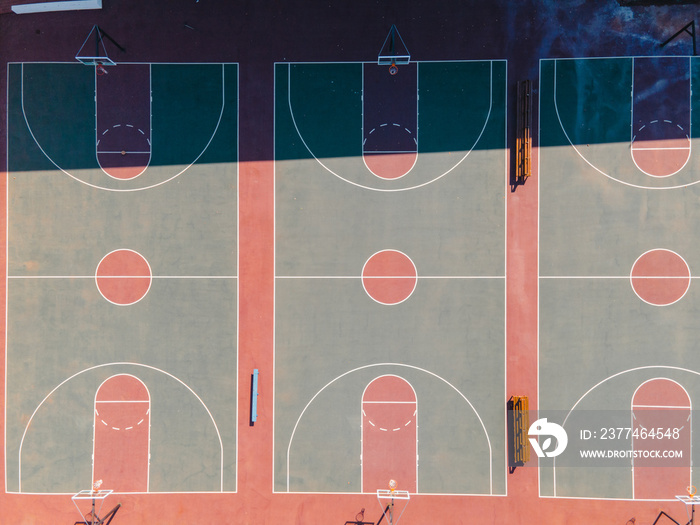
pixel 691 500
pixel 688 28
pixel 100 56
pixel 391 509
pixel 99 33
pixel 93 495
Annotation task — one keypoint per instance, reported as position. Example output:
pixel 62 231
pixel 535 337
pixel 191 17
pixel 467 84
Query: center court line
pixel 661 406
pixel 122 277
pixel 618 276
pixel 642 148
pixel 390 276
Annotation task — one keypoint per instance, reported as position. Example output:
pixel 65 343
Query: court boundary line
pixel 187 167
pixel 126 363
pixel 556 109
pixel 432 277
pixel 391 190
pixel 6 320
pixel 538 250
pixel 29 277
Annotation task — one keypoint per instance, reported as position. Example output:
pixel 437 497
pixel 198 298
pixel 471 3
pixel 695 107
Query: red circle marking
pixel 660 277
pixel 123 277
pixel 123 151
pixel 122 387
pixel 389 277
pixel 660 148
pixel 660 391
pixel 387 389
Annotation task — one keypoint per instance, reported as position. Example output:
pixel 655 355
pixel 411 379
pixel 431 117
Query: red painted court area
pixel 202 31
pixel 389 434
pixel 122 434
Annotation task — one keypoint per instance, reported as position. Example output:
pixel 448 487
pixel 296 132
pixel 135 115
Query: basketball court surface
pixel 258 283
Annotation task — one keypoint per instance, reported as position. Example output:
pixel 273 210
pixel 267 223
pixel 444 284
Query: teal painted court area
pixel 605 329
pixel 67 331
pixel 446 338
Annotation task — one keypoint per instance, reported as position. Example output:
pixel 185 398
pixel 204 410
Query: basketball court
pixel 390 270
pixel 122 275
pixel 616 260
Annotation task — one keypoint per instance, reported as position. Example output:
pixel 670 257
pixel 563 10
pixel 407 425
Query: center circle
pixel 389 277
pixel 123 277
pixel 660 277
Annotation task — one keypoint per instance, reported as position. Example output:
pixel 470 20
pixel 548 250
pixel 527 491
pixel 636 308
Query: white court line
pixel 29 422
pixel 391 276
pixel 642 148
pixel 661 406
pixel 122 277
pixel 124 401
pixel 564 277
pixel 388 402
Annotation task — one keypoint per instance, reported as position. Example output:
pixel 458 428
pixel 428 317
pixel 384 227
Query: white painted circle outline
pixel 362 277
pixel 150 276
pixel 690 277
pixel 98 152
pixel 633 149
pixel 373 153
pixel 414 402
